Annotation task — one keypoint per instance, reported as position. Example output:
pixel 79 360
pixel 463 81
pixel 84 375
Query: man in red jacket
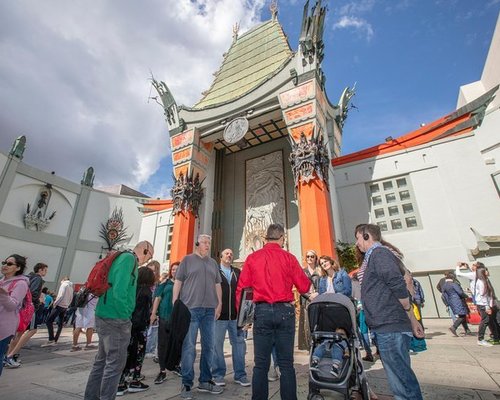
pixel 272 272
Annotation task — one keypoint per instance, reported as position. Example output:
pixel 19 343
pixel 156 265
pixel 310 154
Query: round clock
pixel 236 130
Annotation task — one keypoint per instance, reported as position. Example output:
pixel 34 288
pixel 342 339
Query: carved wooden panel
pixel 264 199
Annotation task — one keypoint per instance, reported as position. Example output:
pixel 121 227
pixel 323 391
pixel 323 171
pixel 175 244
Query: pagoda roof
pixel 459 122
pixel 252 59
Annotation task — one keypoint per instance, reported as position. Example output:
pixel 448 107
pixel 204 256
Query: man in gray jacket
pixel 388 310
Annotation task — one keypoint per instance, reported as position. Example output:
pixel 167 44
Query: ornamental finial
pixel 273 7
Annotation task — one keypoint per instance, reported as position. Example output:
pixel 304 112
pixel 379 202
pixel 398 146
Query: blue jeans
pixel 336 352
pixel 202 319
pixel 274 325
pixel 238 349
pixel 394 349
pixel 4 345
pixel 152 340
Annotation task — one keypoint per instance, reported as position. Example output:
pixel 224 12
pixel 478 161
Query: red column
pixel 315 215
pixel 182 235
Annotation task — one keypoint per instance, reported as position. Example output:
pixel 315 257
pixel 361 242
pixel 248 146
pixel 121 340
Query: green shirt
pixel 119 301
pixel 164 292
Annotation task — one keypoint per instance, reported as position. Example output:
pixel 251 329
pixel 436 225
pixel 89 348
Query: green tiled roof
pixel 252 59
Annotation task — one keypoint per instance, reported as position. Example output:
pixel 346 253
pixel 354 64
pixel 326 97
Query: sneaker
pixel 484 343
pixel 219 381
pixel 122 389
pixel 314 365
pixel 137 386
pixel 453 331
pixel 334 371
pixel 9 362
pixel 273 374
pixel 209 387
pixel 186 392
pixel 162 377
pixel 156 360
pixel 49 343
pixel 177 371
pixel 17 358
pixel 243 381
pixel 469 333
pixel 369 358
pixel 494 342
pixel 149 355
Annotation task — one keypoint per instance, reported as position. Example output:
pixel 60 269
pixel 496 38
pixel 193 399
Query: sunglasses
pixel 8 263
pixel 310 256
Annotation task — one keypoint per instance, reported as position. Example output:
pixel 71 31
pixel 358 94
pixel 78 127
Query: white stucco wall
pixel 453 191
pixel 35 253
pixel 100 207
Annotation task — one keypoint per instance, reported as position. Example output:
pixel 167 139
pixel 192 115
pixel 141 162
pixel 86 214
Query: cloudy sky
pixel 74 76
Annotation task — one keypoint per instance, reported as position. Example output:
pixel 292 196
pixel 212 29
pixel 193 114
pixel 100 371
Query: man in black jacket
pixel 227 322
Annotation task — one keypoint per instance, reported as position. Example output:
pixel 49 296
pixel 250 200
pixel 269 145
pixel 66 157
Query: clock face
pixel 235 130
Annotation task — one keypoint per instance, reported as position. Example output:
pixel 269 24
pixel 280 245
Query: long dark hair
pixel 146 277
pixel 20 262
pixel 481 275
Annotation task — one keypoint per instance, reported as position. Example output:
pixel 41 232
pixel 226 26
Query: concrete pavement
pixel 452 368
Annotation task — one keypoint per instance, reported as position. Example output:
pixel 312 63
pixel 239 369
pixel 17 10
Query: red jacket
pixel 272 272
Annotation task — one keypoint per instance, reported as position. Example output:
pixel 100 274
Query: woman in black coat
pixel 454 297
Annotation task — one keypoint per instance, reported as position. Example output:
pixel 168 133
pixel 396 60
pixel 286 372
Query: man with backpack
pixel 35 285
pixel 113 312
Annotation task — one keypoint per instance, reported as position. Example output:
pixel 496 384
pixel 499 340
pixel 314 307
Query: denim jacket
pixel 341 283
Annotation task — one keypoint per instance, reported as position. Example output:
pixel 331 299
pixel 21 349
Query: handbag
pixel 247 308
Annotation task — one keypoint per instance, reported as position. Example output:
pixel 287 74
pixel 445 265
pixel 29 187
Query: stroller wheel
pixel 365 392
pixel 315 396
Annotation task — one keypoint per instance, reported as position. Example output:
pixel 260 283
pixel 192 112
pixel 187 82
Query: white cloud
pixel 74 77
pixel 357 7
pixel 360 25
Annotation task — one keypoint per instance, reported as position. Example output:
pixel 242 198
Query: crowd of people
pixel 143 311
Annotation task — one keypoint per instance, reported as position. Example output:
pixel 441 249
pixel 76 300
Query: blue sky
pixel 75 79
pixel 408 59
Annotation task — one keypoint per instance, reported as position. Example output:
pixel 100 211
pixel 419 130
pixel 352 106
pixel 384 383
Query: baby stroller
pixel 328 312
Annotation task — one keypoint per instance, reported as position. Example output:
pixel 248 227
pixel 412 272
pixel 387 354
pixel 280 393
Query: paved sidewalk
pixel 452 368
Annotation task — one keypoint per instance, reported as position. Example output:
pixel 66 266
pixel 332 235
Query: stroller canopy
pixel 330 311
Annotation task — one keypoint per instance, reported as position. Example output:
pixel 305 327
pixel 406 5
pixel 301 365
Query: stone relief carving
pixel 36 217
pixel 187 193
pixel 264 199
pixel 309 156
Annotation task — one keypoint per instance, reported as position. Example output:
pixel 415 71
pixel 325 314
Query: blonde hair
pixel 155 266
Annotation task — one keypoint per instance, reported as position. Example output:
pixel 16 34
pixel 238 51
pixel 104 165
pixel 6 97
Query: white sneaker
pixel 273 374
pixel 484 343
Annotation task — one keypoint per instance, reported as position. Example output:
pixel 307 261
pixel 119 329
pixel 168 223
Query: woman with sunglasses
pixel 311 270
pixel 13 289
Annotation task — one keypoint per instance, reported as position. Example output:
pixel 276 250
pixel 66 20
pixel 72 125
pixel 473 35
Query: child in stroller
pixel 339 348
pixel 332 322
